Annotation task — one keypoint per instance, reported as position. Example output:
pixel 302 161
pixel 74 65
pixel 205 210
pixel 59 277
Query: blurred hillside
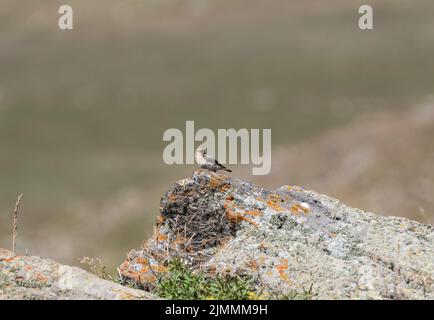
pixel 382 162
pixel 82 113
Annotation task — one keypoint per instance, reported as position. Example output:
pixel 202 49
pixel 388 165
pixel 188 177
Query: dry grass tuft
pixel 15 224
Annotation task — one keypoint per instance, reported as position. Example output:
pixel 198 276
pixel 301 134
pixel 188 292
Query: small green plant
pixel 230 288
pixel 181 283
pixel 294 295
pixel 31 283
pixel 4 281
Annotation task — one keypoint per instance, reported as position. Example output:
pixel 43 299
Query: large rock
pixel 287 241
pixel 23 277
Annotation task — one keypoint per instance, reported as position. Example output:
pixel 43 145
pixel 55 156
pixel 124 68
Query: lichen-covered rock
pixel 287 241
pixel 30 277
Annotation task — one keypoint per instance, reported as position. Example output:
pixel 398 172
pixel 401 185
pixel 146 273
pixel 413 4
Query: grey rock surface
pixel 287 241
pixel 30 277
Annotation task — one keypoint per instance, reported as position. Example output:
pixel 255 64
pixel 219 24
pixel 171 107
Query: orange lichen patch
pixel 274 197
pixel 142 261
pixel 297 209
pixel 225 187
pixel 160 219
pixel 40 277
pixel 153 268
pixel 249 221
pixel 158 235
pixel 232 216
pixel 332 234
pixel 235 217
pixel 10 259
pixel 253 212
pixel 161 237
pixel 252 264
pixel 159 268
pixel 172 198
pixel 135 276
pixel 281 268
pixel 274 206
pixel 145 275
pixel 230 197
pixel 146 278
pixel 216 182
pixel 272 202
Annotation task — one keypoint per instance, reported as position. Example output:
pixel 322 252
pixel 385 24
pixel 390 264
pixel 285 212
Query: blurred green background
pixel 82 112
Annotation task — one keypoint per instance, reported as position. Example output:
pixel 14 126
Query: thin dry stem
pixel 15 225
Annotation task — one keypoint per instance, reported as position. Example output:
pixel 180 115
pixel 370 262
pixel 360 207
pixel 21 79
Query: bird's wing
pixel 214 161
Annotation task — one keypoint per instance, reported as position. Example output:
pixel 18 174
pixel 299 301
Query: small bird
pixel 208 162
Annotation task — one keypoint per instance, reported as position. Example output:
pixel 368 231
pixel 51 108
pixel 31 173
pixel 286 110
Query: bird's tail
pixel 228 170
